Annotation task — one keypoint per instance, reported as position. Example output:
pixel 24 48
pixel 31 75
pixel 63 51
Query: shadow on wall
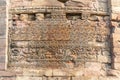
pixel 112 29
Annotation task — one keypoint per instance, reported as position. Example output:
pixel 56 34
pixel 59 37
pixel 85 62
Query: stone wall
pixel 115 18
pixel 40 32
pixel 3 40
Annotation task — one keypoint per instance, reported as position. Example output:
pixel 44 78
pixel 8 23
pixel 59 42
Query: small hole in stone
pixel 73 16
pixel 47 15
pixel 31 17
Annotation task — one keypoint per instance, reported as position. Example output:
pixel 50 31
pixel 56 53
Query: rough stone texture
pixel 115 36
pixel 60 40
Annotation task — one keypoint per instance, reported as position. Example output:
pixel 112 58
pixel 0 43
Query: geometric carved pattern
pixel 55 42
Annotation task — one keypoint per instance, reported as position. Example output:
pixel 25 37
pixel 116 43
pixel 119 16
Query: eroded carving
pixel 74 3
pixel 55 39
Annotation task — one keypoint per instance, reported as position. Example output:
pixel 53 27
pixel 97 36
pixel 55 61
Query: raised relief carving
pixel 56 38
pixel 74 3
pixel 40 16
pixel 99 5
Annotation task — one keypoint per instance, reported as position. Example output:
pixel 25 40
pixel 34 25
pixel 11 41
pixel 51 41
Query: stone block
pixel 85 78
pixel 2 51
pixel 58 78
pixel 28 78
pixel 105 59
pixel 78 78
pixel 106 53
pixel 48 72
pixel 116 44
pixel 115 2
pixel 116 37
pixel 47 2
pixel 2 43
pixel 58 72
pixel 2 58
pixel 116 51
pixel 117 59
pixel 106 66
pixel 2 34
pixel 114 16
pixel 90 78
pixel 7 78
pixel 2 2
pixel 3 17
pixel 6 73
pixel 113 72
pixel 2 10
pixel 3 21
pixel 117 66
pixel 92 68
pixel 109 78
pixel 2 67
pixel 99 44
pixel 115 29
pixel 79 72
pixel 102 78
pixel 91 65
pixel 2 29
pixel 115 9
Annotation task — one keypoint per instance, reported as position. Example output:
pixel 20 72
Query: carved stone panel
pixel 55 39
